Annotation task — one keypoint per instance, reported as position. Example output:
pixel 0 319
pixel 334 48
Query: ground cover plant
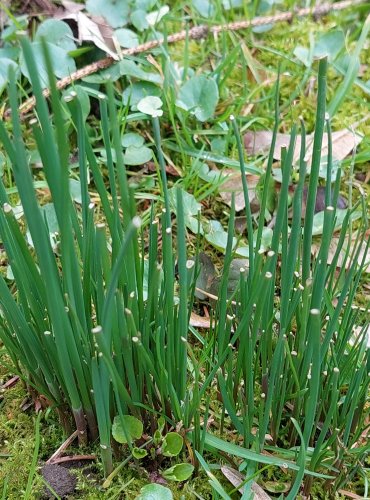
pixel 108 276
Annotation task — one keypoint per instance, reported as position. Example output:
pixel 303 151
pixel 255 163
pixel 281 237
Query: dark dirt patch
pixel 60 479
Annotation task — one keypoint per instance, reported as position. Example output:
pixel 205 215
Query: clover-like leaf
pixel 137 156
pixel 63 64
pixel 151 105
pixel 137 91
pixel 132 139
pixel 4 70
pixel 56 32
pixel 340 214
pixel 75 190
pixel 199 96
pixel 329 45
pixel 138 19
pixel 191 209
pixel 50 217
pixel 130 68
pixel 204 7
pixel 179 472
pixel 115 13
pixel 126 38
pixel 172 444
pixel 126 428
pixel 154 17
pixel 154 492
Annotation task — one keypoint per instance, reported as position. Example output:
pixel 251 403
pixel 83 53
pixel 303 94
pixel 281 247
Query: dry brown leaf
pixel 344 141
pixel 349 494
pixel 3 15
pixel 315 248
pixel 235 478
pixel 9 383
pixel 199 321
pixel 257 143
pixel 170 169
pixel 90 29
pixel 233 184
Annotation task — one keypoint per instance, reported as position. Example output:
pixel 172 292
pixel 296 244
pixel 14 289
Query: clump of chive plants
pixel 101 327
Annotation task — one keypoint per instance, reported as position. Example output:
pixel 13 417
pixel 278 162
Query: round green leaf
pixel 130 68
pixel 63 64
pixel 329 45
pixel 203 171
pixel 204 7
pixel 9 273
pixel 191 206
pixel 132 139
pixel 50 217
pixel 137 91
pixel 75 190
pixel 151 105
pixel 216 235
pixel 191 209
pixel 138 19
pixel 3 162
pixel 179 472
pixel 126 38
pixel 10 33
pixel 199 96
pixel 56 32
pixel 154 17
pixel 154 492
pixel 137 156
pixel 4 70
pixel 172 444
pixel 126 428
pixel 115 13
pixel 110 74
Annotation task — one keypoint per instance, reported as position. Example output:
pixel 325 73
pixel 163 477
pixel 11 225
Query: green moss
pixel 16 441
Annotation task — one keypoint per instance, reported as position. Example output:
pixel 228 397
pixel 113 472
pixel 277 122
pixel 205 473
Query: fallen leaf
pixel 315 248
pixel 90 29
pixel 320 200
pixel 350 494
pixel 199 321
pixel 233 184
pixel 170 169
pixel 9 383
pixel 235 478
pixel 207 273
pixel 344 141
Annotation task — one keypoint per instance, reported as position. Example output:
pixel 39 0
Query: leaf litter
pixel 90 29
pixel 344 142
